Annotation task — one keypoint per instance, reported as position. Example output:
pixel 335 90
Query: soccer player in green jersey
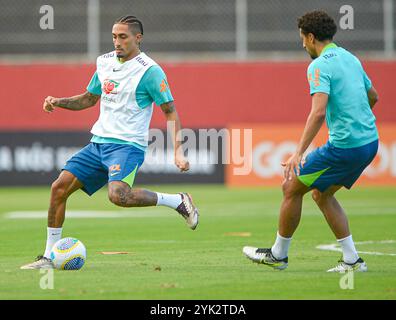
pixel 343 96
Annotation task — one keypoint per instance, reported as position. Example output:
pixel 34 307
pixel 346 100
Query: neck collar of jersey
pixel 122 62
pixel 328 46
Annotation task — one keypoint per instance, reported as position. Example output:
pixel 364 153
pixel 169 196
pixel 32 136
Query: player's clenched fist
pixel 49 104
pixel 182 163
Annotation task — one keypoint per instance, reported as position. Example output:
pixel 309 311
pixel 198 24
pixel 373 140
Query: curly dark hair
pixel 319 23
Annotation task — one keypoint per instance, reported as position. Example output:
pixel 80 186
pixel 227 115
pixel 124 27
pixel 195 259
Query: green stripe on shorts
pixel 130 178
pixel 309 179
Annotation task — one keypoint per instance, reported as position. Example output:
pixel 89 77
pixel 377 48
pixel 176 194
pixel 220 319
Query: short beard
pixel 313 55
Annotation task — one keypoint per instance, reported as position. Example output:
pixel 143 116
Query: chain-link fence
pixel 236 28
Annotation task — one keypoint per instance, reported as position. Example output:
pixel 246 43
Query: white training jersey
pixel 126 104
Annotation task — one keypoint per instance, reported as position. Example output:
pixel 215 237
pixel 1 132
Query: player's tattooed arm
pixel 174 125
pixel 79 102
pixel 168 108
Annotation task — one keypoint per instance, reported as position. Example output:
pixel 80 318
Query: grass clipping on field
pixel 238 234
pixel 115 252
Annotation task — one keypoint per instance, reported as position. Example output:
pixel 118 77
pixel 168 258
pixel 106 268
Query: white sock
pixel 169 200
pixel 350 254
pixel 53 235
pixel 280 248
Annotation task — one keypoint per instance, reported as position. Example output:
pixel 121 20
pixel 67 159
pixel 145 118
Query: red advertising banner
pixel 207 95
pixel 273 144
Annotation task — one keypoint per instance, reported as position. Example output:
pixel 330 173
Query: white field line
pixel 336 247
pixel 86 214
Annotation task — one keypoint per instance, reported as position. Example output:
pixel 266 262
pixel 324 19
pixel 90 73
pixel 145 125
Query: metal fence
pixel 181 28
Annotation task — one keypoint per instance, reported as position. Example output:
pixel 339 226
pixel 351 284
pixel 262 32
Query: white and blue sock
pixel 53 235
pixel 281 246
pixel 169 200
pixel 349 252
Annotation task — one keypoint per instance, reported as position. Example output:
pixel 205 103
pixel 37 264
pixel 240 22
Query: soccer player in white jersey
pixel 127 82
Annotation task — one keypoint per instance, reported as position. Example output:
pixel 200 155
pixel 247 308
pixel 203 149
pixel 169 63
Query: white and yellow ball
pixel 68 254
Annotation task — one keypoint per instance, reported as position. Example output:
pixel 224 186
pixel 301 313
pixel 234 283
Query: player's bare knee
pixel 316 196
pixel 320 198
pixel 114 196
pixel 121 196
pixel 285 187
pixel 288 189
pixel 59 190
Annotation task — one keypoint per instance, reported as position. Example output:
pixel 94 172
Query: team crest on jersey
pixel 110 86
pixel 163 86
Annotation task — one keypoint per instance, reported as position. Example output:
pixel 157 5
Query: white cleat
pixel 188 210
pixel 41 262
pixel 342 267
pixel 264 256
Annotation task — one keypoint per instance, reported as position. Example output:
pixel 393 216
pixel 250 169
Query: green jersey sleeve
pixel 367 81
pixel 153 87
pixel 94 86
pixel 319 77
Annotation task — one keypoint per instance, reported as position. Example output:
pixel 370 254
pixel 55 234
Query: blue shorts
pixel 99 163
pixel 329 165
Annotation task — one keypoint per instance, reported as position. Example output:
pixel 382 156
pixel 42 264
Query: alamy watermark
pixel 47 280
pixel 47 20
pixel 347 280
pixel 203 146
pixel 347 20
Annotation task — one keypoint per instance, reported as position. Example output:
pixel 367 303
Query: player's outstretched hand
pixel 292 166
pixel 49 104
pixel 181 162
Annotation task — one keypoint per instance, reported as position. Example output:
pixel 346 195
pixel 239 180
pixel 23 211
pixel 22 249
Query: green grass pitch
pixel 167 260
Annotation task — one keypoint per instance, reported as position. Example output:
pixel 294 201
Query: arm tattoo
pixel 168 107
pixel 79 102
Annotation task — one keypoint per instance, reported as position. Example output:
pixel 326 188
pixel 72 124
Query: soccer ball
pixel 68 254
